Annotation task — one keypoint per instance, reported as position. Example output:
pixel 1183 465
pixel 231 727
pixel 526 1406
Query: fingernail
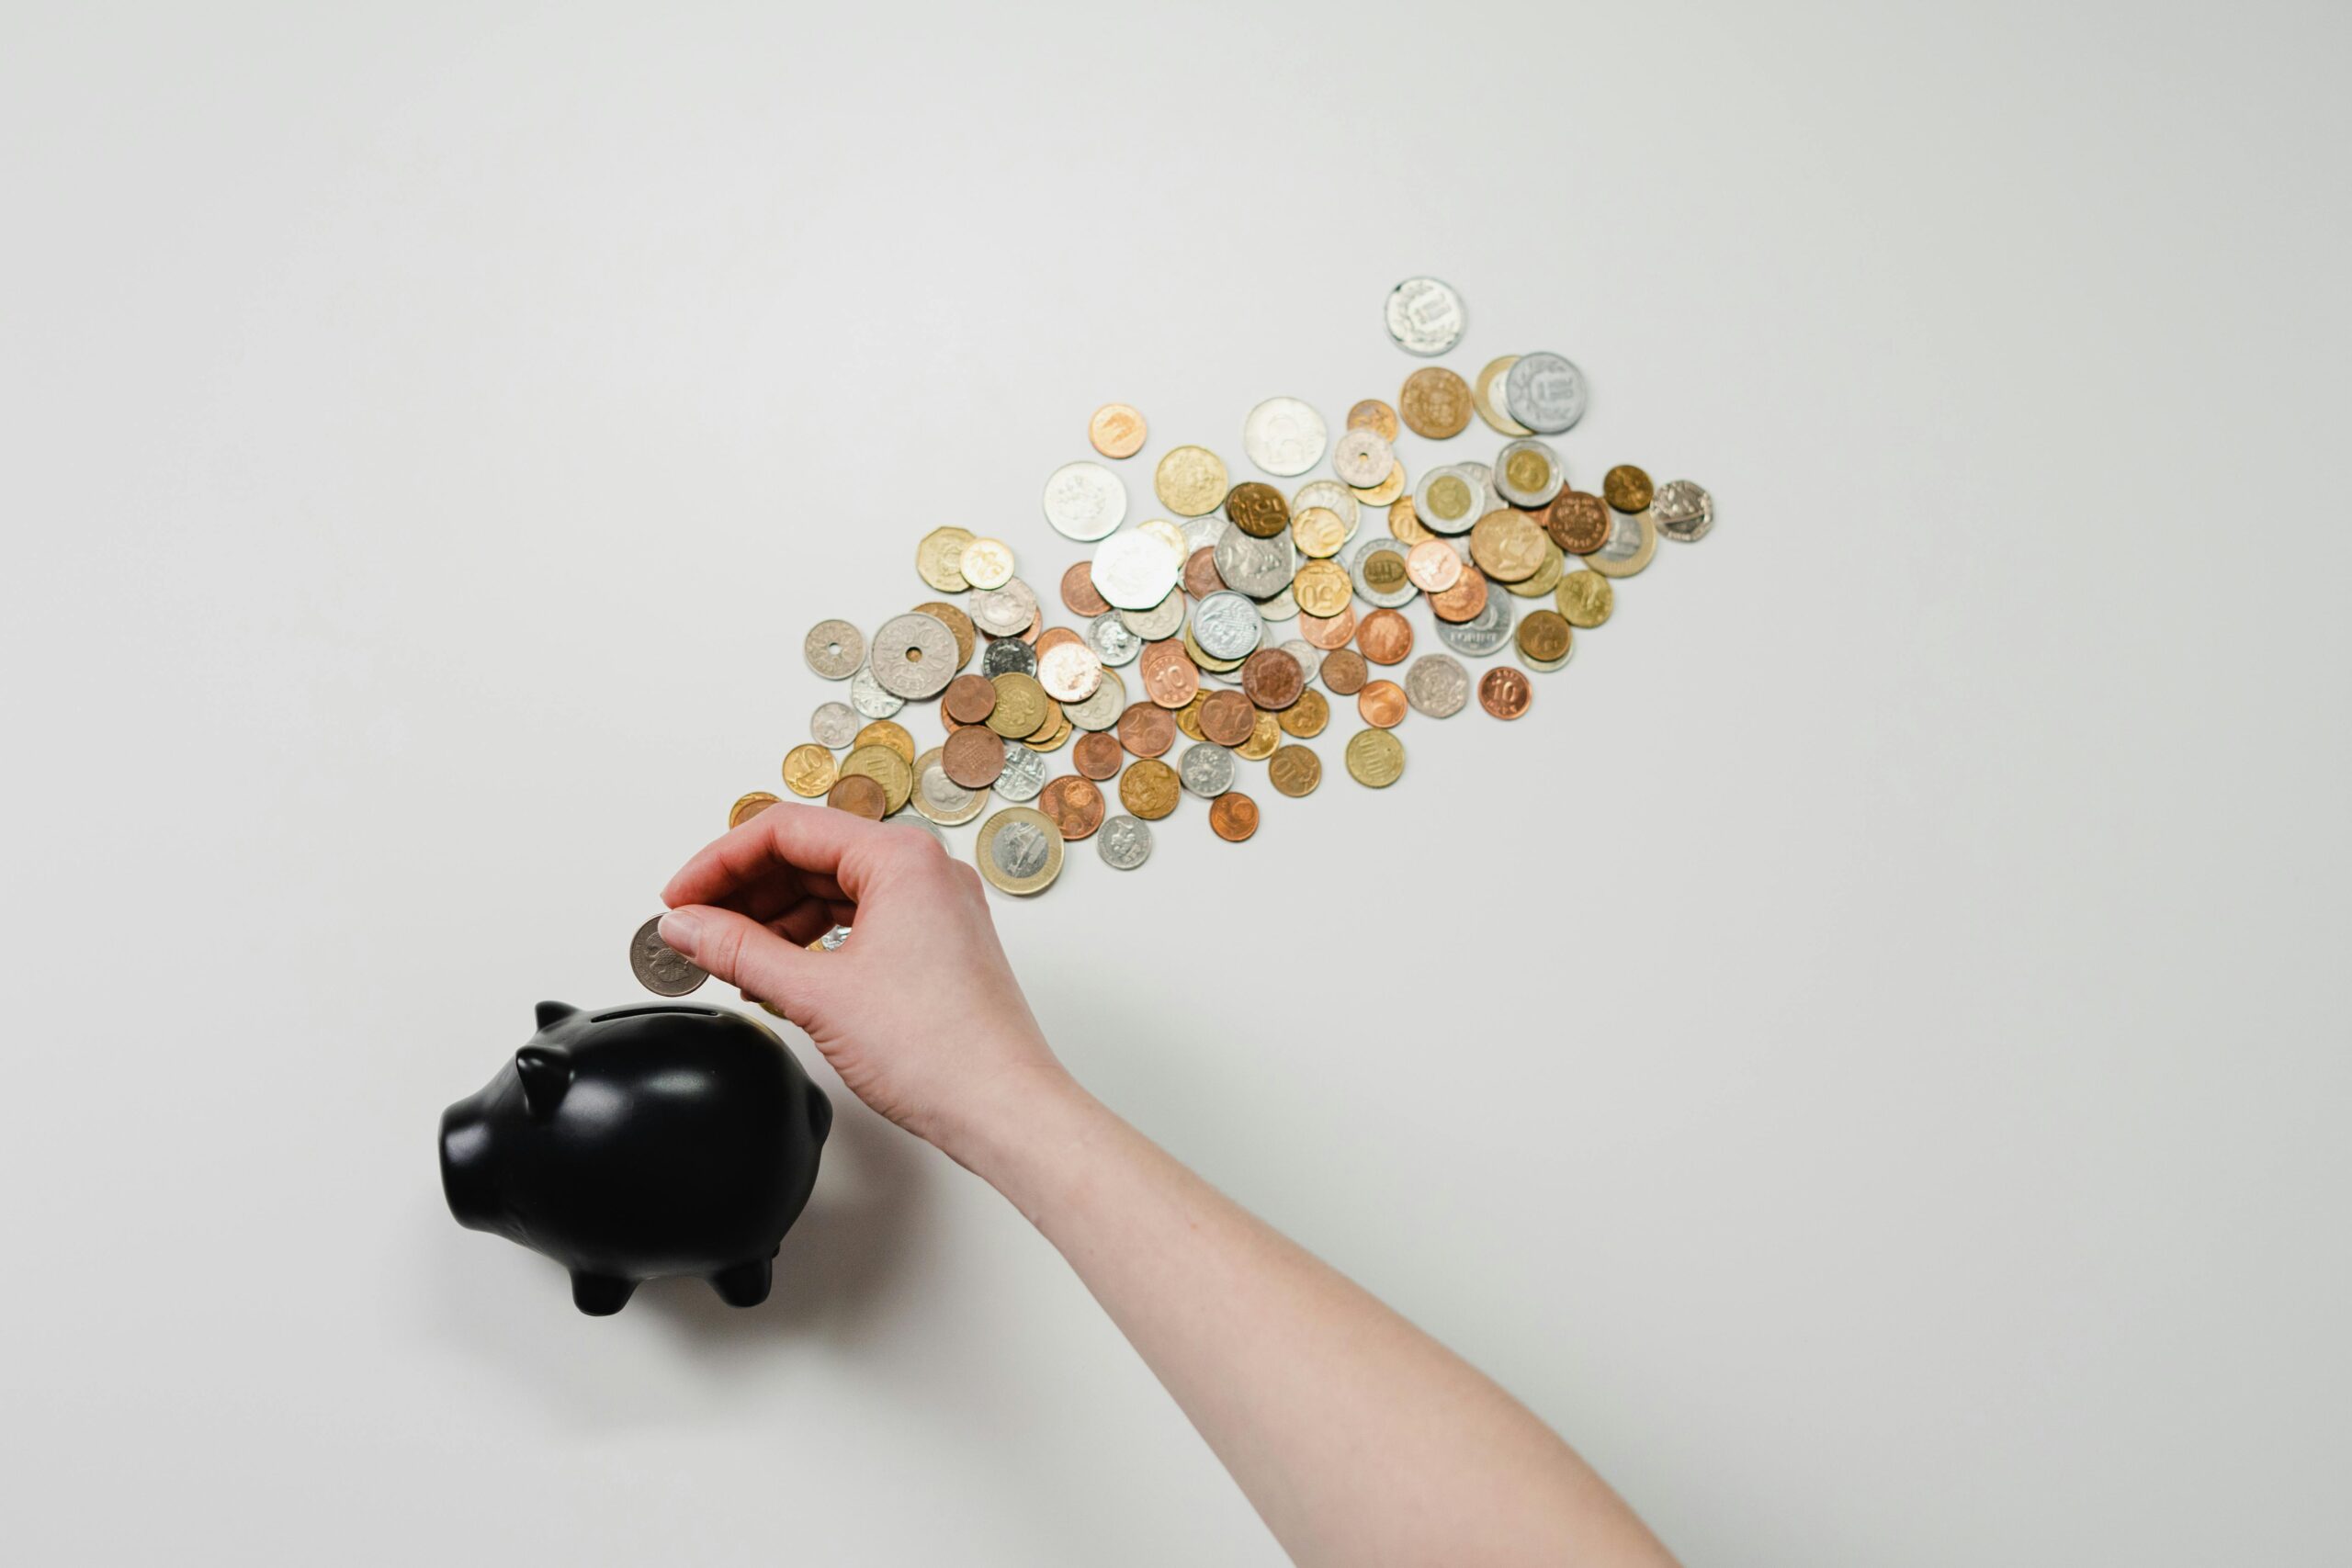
pixel 680 929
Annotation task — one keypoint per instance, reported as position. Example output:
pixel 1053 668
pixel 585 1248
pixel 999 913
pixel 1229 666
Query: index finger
pixel 785 837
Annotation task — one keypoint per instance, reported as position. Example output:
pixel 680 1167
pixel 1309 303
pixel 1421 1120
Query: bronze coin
pixel 1381 704
pixel 1544 636
pixel 1097 754
pixel 1327 632
pixel 973 756
pixel 1234 816
pixel 1463 600
pixel 1074 803
pixel 1271 678
pixel 1306 717
pixel 1257 510
pixel 860 796
pixel 1227 718
pixel 1149 789
pixel 1170 676
pixel 1373 414
pixel 1079 595
pixel 751 805
pixel 1627 489
pixel 969 699
pixel 1505 691
pixel 1435 402
pixel 1053 637
pixel 958 623
pixel 1386 638
pixel 1295 770
pixel 1578 523
pixel 1344 671
pixel 1145 729
pixel 1200 573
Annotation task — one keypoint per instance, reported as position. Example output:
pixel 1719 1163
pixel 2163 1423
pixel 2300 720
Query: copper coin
pixel 1578 523
pixel 751 805
pixel 1544 636
pixel 1295 770
pixel 1228 716
pixel 1463 600
pixel 1381 704
pixel 1257 510
pixel 1200 573
pixel 956 622
pixel 1434 566
pixel 1077 591
pixel 1149 789
pixel 860 796
pixel 1053 637
pixel 1271 678
pixel 948 721
pixel 1074 803
pixel 973 756
pixel 1097 754
pixel 1373 414
pixel 1505 691
pixel 969 699
pixel 1344 671
pixel 1117 430
pixel 1386 638
pixel 1627 489
pixel 1145 729
pixel 1327 632
pixel 1234 816
pixel 1170 676
pixel 1435 402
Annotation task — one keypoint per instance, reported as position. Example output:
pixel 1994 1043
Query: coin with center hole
pixel 914 655
pixel 834 649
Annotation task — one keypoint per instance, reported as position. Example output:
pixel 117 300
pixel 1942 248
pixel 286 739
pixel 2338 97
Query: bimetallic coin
pixel 1434 567
pixel 834 725
pixel 1295 771
pixel 1227 625
pixel 1627 489
pixel 659 967
pixel 1322 588
pixel 1008 655
pixel 1233 816
pixel 860 796
pixel 913 657
pixel 1426 317
pixel 749 807
pixel 1084 501
pixel 1124 844
pixel 1101 710
pixel 939 558
pixel 1149 788
pixel 1437 685
pixel 1190 482
pixel 1544 392
pixel 1377 564
pixel 1344 672
pixel 1112 643
pixel 1259 568
pixel 1373 414
pixel 1585 598
pixel 1008 611
pixel 834 649
pixel 1505 692
pixel 1487 393
pixel 1206 769
pixel 1075 803
pixel 1375 757
pixel 808 771
pixel 1160 620
pixel 1507 545
pixel 1020 850
pixel 1683 512
pixel 1633 540
pixel 940 798
pixel 1070 672
pixel 1448 501
pixel 1024 775
pixel 985 563
pixel 1482 633
pixel 1527 473
pixel 1283 436
pixel 1135 571
pixel 1545 639
pixel 1362 457
pixel 1116 430
pixel 1435 402
pixel 1384 636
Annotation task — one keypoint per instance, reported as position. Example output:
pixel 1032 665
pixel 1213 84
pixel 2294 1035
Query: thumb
pixel 745 953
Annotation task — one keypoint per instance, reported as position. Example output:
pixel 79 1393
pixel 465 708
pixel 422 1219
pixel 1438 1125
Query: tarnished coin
pixel 1200 579
pixel 1434 567
pixel 1233 816
pixel 973 756
pixel 886 767
pixel 1283 436
pixel 1227 717
pixel 1448 501
pixel 1461 601
pixel 1318 532
pixel 1102 710
pixel 748 806
pixel 867 695
pixel 1578 522
pixel 1170 676
pixel 808 771
pixel 1324 633
pixel 985 563
pixel 1426 317
pixel 1487 393
pixel 1206 769
pixel 1024 775
pixel 1482 634
pixel 1149 788
pixel 1386 638
pixel 1322 588
pixel 884 732
pixel 1305 717
pixel 913 657
pixel 1135 570
pixel 1116 430
pixel 1375 757
pixel 940 799
pixel 1295 771
pixel 1271 678
pixel 1381 704
pixel 1162 620
pixel 1437 685
pixel 1309 657
pixel 1022 705
pixel 1627 489
pixel 1227 625
pixel 1008 655
pixel 1124 843
pixel 1544 392
pixel 1527 473
pixel 1435 402
pixel 1362 457
pixel 1019 850
pixel 1008 611
pixel 1373 414
pixel 1070 672
pixel 1545 639
pixel 1258 509
pixel 659 967
pixel 860 796
pixel 1683 512
pixel 1328 493
pixel 1344 673
pixel 1633 540
pixel 969 699
pixel 1079 596
pixel 1505 691
pixel 939 559
pixel 1538 583
pixel 1388 489
pixel 1585 598
pixel 1084 501
pixel 1075 803
pixel 1145 729
pixel 1377 563
pixel 1112 643
pixel 1190 482
pixel 1097 756
pixel 834 649
pixel 1507 545
pixel 834 725
pixel 1259 568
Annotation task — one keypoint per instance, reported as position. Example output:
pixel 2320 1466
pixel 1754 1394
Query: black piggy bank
pixel 640 1141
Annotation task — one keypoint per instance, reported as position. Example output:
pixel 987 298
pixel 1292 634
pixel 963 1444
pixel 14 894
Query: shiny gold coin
pixel 1149 788
pixel 1387 489
pixel 1507 545
pixel 1020 705
pixel 1627 489
pixel 1323 587
pixel 1375 757
pixel 1404 523
pixel 1295 771
pixel 1633 540
pixel 955 620
pixel 1373 414
pixel 1435 402
pixel 1116 430
pixel 1488 397
pixel 1546 577
pixel 1188 718
pixel 884 732
pixel 1585 598
pixel 1190 482
pixel 1257 510
pixel 1306 717
pixel 751 805
pixel 1544 637
pixel 1318 532
pixel 986 563
pixel 1019 850
pixel 895 773
pixel 808 770
pixel 939 559
pixel 1265 734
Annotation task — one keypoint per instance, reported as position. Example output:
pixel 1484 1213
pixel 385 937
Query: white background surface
pixel 1865 1057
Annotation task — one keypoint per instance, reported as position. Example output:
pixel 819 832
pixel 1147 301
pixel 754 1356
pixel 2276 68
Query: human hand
pixel 918 1013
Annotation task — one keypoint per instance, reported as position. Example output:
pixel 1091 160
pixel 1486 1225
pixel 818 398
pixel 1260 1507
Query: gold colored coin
pixel 1633 540
pixel 1404 523
pixel 1322 588
pixel 1191 481
pixel 1306 717
pixel 1047 725
pixel 939 559
pixel 884 732
pixel 1387 489
pixel 1544 637
pixel 1435 402
pixel 1318 532
pixel 1265 734
pixel 882 764
pixel 1385 572
pixel 986 563
pixel 1507 545
pixel 1116 430
pixel 1546 577
pixel 1019 850
pixel 1020 705
pixel 1375 757
pixel 1627 487
pixel 1373 414
pixel 1149 788
pixel 955 620
pixel 1188 718
pixel 1054 739
pixel 1451 499
pixel 751 805
pixel 1585 598
pixel 1215 666
pixel 1488 396
pixel 1294 770
pixel 808 770
pixel 1257 510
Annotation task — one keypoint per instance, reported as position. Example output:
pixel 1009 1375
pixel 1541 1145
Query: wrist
pixel 1027 1120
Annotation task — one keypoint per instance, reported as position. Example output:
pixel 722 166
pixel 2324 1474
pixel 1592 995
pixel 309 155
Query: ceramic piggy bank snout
pixel 640 1141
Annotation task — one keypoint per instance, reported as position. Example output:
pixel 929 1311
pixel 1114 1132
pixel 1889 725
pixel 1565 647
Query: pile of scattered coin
pixel 1227 616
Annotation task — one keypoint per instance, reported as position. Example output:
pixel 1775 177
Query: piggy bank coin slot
pixel 653 1008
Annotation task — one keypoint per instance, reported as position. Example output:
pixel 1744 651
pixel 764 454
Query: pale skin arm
pixel 1357 1438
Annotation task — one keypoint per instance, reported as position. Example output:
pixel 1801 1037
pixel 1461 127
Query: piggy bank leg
pixel 743 1284
pixel 600 1295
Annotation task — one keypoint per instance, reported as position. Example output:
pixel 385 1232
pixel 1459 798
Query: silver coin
pixel 914 655
pixel 1330 493
pixel 1445 508
pixel 1102 710
pixel 1309 657
pixel 1206 769
pixel 1008 656
pixel 1682 510
pixel 1003 612
pixel 1024 773
pixel 1284 436
pixel 834 725
pixel 1085 500
pixel 833 938
pixel 1543 490
pixel 1632 536
pixel 1362 457
pixel 1112 643
pixel 1202 533
pixel 940 798
pixel 1547 665
pixel 1436 684
pixel 1069 673
pixel 1485 475
pixel 659 967
pixel 1124 842
pixel 1482 633
pixel 867 695
pixel 1363 549
pixel 1135 570
pixel 1256 567
pixel 1227 625
pixel 1544 392
pixel 1020 849
pixel 834 649
pixel 1164 619
pixel 1283 606
pixel 1426 317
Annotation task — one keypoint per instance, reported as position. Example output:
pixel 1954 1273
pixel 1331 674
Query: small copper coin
pixel 1343 670
pixel 1328 632
pixel 1578 523
pixel 1463 600
pixel 1200 573
pixel 1435 402
pixel 1627 489
pixel 973 756
pixel 1544 636
pixel 1257 510
pixel 1147 730
pixel 1295 770
pixel 1434 567
pixel 1149 788
pixel 1117 430
pixel 1373 414
pixel 1505 691
pixel 1097 754
pixel 1074 803
pixel 1381 704
pixel 1170 676
pixel 1271 678
pixel 1233 815
pixel 1228 716
pixel 1077 591
pixel 860 796
pixel 1386 638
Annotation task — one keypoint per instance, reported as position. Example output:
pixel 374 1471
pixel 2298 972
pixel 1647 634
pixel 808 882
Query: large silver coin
pixel 1362 457
pixel 1284 436
pixel 1004 611
pixel 1024 773
pixel 834 725
pixel 1683 512
pixel 659 967
pixel 1533 459
pixel 1309 657
pixel 1206 769
pixel 834 649
pixel 1227 625
pixel 1112 643
pixel 1450 499
pixel 914 655
pixel 1362 550
pixel 1124 842
pixel 1426 317
pixel 867 695
pixel 1436 684
pixel 1164 619
pixel 1085 500
pixel 1544 392
pixel 1008 656
pixel 1259 567
pixel 1482 633
pixel 1102 710
pixel 940 797
pixel 1135 570
pixel 1330 493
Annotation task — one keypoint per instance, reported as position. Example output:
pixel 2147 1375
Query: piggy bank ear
pixel 555 1012
pixel 546 1072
